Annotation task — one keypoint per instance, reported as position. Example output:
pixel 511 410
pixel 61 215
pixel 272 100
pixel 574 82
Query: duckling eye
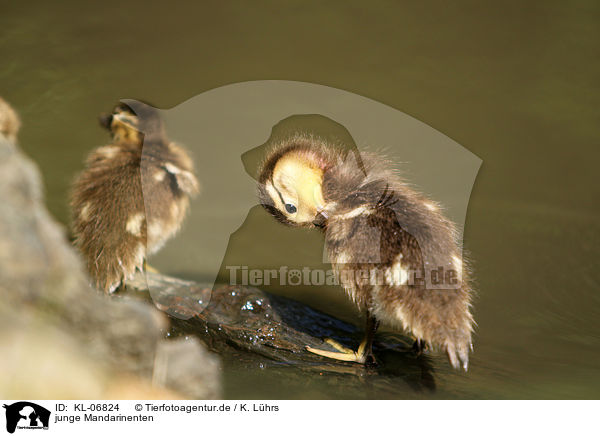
pixel 290 208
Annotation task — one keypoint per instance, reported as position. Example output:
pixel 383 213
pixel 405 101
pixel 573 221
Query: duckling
pixel 374 221
pixel 132 197
pixel 9 121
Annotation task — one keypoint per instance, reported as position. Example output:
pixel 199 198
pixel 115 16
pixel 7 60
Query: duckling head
pixel 134 122
pixel 291 185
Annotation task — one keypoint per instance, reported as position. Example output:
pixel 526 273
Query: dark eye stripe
pixel 278 193
pixel 290 208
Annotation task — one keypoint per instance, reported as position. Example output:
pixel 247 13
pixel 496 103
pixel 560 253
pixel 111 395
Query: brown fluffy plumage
pixel 375 223
pixel 132 197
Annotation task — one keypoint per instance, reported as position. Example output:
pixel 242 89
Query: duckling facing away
pixel 373 221
pixel 132 197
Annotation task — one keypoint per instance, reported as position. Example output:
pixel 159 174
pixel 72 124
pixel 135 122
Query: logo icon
pixel 26 415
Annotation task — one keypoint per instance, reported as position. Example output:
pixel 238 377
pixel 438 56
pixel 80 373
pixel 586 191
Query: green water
pixel 515 83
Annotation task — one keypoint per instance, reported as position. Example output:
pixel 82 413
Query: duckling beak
pixel 105 120
pixel 320 220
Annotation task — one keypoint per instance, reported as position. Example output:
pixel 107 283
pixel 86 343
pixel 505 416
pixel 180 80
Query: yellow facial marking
pixel 124 127
pixel 296 188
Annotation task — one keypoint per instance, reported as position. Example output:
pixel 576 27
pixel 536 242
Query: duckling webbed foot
pixel 364 354
pixel 343 353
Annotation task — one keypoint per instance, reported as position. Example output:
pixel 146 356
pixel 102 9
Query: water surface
pixel 515 83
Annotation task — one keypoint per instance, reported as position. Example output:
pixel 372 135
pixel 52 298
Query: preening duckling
pixel 382 238
pixel 132 197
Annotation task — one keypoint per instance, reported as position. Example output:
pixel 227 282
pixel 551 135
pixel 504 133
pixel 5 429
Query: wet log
pixel 229 318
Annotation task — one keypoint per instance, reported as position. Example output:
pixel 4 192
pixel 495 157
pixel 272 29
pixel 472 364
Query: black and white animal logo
pixel 26 415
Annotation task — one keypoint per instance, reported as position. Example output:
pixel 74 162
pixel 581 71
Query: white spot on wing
pixel 172 168
pixel 155 229
pixel 158 234
pixel 108 151
pixel 85 212
pixel 397 275
pixel 159 176
pixel 134 224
